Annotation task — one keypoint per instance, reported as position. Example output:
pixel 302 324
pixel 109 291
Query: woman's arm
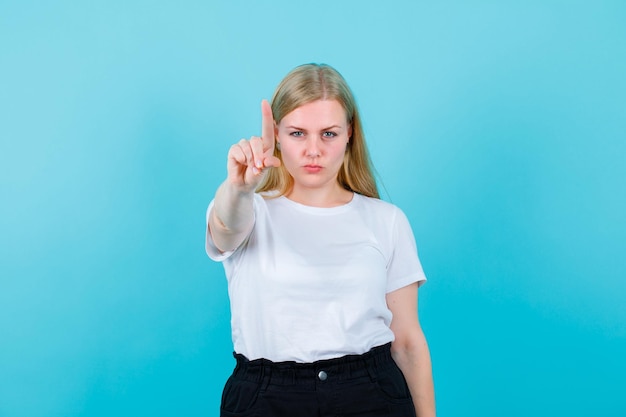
pixel 410 349
pixel 232 217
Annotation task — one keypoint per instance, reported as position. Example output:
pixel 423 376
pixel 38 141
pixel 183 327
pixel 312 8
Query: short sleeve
pixel 404 267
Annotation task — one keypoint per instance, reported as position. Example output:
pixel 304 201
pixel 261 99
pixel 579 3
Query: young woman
pixel 322 275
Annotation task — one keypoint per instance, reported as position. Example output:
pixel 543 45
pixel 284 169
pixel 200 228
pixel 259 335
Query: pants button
pixel 322 376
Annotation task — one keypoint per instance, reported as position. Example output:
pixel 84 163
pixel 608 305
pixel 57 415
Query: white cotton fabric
pixel 309 283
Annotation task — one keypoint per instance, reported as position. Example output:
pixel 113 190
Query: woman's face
pixel 313 140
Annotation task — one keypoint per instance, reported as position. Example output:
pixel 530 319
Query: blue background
pixel 499 127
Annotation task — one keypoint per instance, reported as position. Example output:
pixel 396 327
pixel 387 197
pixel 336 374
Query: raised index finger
pixel 267 126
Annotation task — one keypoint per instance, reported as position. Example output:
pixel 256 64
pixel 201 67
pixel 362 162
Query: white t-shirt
pixel 309 283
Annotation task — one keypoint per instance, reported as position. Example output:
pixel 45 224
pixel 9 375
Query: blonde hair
pixel 308 83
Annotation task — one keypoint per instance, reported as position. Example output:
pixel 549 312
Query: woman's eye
pixel 297 134
pixel 328 135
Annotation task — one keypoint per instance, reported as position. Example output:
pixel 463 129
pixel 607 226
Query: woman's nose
pixel 313 149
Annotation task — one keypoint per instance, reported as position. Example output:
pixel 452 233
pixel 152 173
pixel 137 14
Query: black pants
pixel 356 385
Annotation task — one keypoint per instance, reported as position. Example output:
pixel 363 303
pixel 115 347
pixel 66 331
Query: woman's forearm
pixel 231 217
pixel 413 359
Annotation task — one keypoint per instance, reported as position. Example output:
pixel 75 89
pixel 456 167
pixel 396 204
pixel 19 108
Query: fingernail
pixel 255 171
pixel 259 163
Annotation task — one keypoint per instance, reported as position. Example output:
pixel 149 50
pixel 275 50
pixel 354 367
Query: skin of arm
pixel 410 349
pixel 232 216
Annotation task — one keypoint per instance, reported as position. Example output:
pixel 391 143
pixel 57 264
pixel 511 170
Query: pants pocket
pixel 239 397
pixel 392 385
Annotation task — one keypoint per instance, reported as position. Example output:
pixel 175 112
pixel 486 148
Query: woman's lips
pixel 312 169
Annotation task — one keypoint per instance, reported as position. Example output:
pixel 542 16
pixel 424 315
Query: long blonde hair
pixel 311 82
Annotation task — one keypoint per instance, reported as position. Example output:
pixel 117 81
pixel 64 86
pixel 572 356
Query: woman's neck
pixel 323 197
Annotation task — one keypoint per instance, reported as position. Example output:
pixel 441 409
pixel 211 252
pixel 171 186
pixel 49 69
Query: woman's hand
pixel 248 159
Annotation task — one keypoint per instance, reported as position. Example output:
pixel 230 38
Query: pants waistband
pixel 337 369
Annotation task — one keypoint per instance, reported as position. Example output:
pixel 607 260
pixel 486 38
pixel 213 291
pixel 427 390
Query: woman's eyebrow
pixel 325 128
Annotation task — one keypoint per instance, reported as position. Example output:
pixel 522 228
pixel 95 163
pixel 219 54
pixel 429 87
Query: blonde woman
pixel 322 275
